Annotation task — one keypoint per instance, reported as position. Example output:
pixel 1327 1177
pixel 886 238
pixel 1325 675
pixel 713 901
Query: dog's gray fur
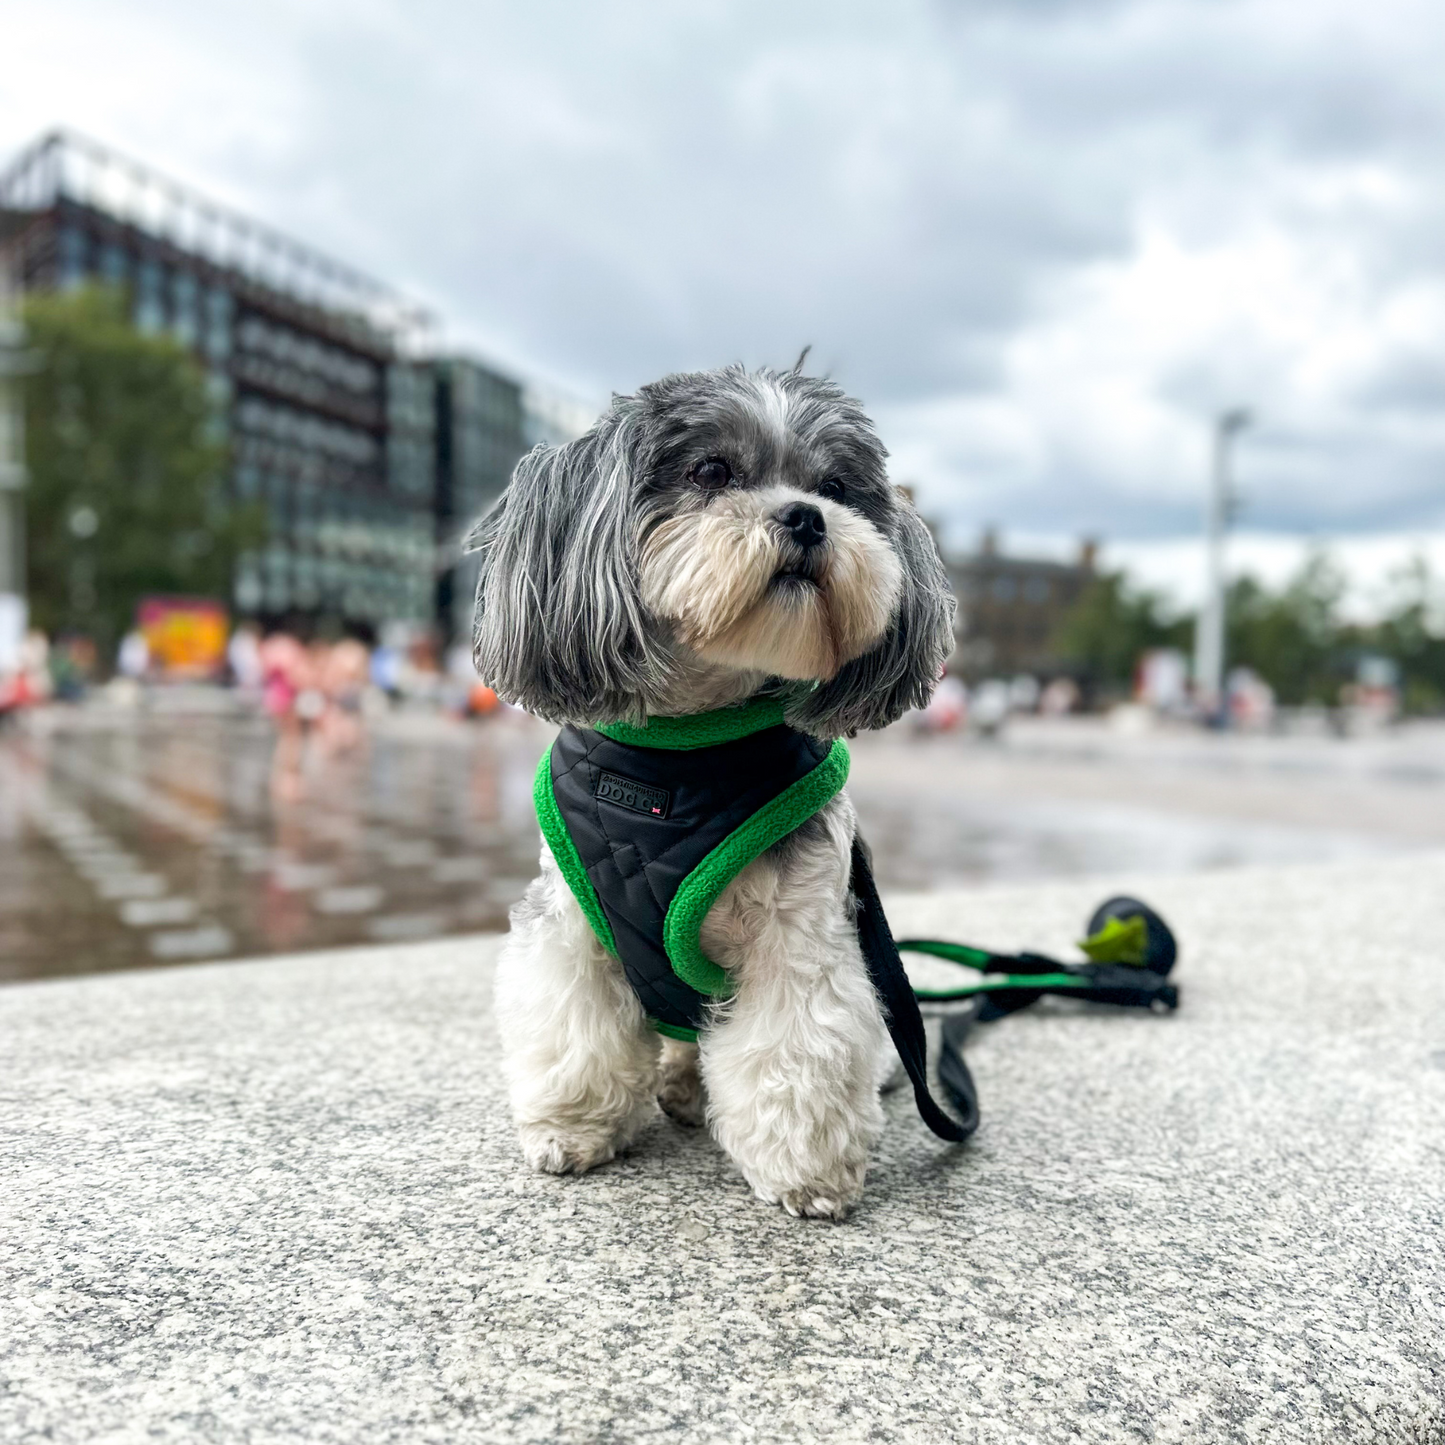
pixel 561 629
pixel 619 580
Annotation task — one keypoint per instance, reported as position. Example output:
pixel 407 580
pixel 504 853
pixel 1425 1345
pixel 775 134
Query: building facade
pixel 480 434
pixel 368 455
pixel 1010 608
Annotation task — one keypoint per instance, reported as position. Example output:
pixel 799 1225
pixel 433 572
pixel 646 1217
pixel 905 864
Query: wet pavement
pixel 132 838
pixel 128 840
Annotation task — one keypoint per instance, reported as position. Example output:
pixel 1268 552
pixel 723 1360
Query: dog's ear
pixel 903 668
pixel 559 627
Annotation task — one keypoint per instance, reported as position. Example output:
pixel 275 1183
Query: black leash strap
pixel 905 1022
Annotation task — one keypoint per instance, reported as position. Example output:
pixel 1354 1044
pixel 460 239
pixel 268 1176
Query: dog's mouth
pixel 803 569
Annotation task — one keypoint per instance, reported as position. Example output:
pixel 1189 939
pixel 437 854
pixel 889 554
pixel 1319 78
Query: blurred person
pixel 1249 699
pixel 1059 698
pixel 12 693
pixel 990 707
pixel 12 655
pixel 243 657
pixel 35 664
pixel 130 687
pixel 72 668
pixel 386 664
pixel 133 656
pixel 1162 680
pixel 947 709
pixel 12 633
pixel 1023 693
pixel 286 671
pixel 344 669
pixel 1372 701
pixel 420 676
pixel 311 703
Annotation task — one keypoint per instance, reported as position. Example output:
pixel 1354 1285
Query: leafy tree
pixel 125 495
pixel 1294 639
pixel 1110 627
pixel 1413 633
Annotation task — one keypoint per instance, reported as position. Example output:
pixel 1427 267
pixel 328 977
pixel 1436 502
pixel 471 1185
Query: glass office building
pixel 369 456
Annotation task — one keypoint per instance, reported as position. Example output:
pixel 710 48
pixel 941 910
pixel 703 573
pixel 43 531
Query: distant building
pixel 1009 609
pixel 481 431
pixel 369 457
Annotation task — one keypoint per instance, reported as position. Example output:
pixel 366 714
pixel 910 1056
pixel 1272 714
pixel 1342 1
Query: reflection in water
pixel 135 838
pixel 130 838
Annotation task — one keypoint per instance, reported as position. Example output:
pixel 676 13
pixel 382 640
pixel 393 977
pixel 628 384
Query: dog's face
pixel 724 521
pixel 765 543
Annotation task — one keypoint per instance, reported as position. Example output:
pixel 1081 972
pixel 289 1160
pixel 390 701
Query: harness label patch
pixel 652 802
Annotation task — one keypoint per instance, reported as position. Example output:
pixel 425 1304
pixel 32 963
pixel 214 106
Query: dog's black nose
pixel 805 524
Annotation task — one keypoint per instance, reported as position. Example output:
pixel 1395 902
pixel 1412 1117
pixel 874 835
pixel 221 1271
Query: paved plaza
pixel 281 1200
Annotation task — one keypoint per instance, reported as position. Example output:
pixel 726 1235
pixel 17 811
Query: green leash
pixel 1130 951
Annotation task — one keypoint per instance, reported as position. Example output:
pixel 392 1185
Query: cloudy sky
pixel 1044 240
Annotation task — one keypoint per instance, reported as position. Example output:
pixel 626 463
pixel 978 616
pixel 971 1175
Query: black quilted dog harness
pixel 649 825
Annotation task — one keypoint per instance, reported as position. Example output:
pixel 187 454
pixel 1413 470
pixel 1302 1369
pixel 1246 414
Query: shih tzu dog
pixel 724 544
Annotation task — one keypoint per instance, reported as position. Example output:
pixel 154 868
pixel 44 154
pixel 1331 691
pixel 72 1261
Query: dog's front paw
pixel 554 1152
pixel 808 1203
pixel 830 1198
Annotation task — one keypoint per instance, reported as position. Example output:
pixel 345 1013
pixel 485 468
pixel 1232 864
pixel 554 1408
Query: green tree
pixel 1294 638
pixel 1412 632
pixel 125 494
pixel 1110 627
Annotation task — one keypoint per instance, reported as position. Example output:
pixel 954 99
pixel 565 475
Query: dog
pixel 716 538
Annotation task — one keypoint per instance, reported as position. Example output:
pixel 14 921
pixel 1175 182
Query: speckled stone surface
pixel 281 1201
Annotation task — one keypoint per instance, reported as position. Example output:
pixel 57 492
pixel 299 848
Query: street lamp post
pixel 1209 630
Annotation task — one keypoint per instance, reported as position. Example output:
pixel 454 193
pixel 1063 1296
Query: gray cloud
pixel 604 193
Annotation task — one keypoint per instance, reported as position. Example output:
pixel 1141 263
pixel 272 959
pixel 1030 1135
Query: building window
pixel 114 265
pixel 1036 590
pixel 1003 589
pixel 71 249
pixel 218 323
pixel 185 308
pixel 150 308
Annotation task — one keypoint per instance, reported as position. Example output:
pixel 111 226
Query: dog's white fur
pixel 711 573
pixel 787 1070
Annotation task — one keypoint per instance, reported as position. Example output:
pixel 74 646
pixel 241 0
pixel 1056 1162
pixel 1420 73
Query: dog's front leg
pixel 791 1065
pixel 579 1058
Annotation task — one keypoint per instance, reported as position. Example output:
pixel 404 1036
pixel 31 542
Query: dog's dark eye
pixel 832 488
pixel 713 474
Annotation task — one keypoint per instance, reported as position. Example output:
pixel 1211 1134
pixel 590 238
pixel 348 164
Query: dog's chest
pixel 658 843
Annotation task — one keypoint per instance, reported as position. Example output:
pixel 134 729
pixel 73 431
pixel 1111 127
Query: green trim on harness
pixel 705 884
pixel 702 887
pixel 564 850
pixel 674 1031
pixel 701 730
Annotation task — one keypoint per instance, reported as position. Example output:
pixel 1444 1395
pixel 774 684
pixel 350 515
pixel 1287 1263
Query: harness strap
pixel 900 1008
